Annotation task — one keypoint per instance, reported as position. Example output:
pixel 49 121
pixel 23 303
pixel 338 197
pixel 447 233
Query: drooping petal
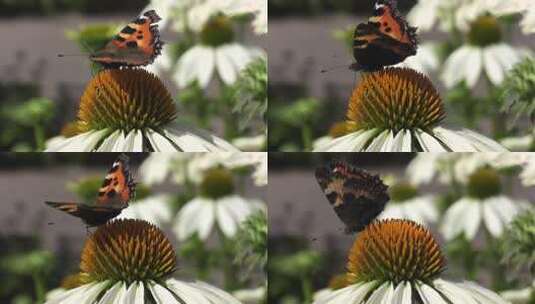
pixel 493 68
pixel 428 142
pixel 428 294
pixel 85 142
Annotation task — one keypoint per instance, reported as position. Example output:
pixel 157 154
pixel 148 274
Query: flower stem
pixel 39 287
pixel 306 289
pixel 306 137
pixel 39 136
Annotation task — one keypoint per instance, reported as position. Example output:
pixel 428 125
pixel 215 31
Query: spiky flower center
pixel 394 250
pixel 338 129
pixel 484 183
pixel 127 250
pixel 485 31
pixel 394 99
pixel 402 191
pixel 125 99
pixel 217 31
pixel 217 183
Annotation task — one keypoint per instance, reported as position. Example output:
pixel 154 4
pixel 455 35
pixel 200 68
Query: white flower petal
pixel 462 216
pixel 85 142
pixel 377 145
pixel 198 63
pixel 186 293
pixel 428 143
pixel 132 143
pixel 492 220
pixel 161 295
pixel 452 73
pixel 160 143
pixel 473 66
pixel 114 294
pixel 454 293
pixel 227 223
pixel 402 294
pixel 354 142
pixel 135 293
pixel 191 215
pixel 402 142
pixel 225 66
pixel 492 65
pixel 110 141
pixel 381 294
pixel 215 295
pixel 429 295
pixel 483 295
pixel 189 139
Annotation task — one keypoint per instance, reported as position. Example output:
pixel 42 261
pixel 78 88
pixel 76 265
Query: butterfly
pixel 113 196
pixel 137 44
pixel 386 39
pixel 356 196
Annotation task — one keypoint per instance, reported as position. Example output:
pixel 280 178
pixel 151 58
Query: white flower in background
pixel 484 51
pixel 425 61
pixel 468 62
pixel 519 296
pixel 201 214
pixel 408 252
pixel 258 7
pixel 525 7
pixel 251 144
pixel 140 118
pixel 405 203
pixel 201 61
pixel 116 272
pixel 482 203
pixel 251 296
pixel 424 167
pixel 153 209
pixel 398 110
pixel 156 168
pixel 217 49
pixel 518 143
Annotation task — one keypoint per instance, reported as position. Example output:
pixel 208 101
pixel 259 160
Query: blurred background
pixel 308 247
pixel 41 246
pixel 308 36
pixel 40 93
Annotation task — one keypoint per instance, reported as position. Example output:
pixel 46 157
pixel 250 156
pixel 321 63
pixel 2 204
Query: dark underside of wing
pixel 91 215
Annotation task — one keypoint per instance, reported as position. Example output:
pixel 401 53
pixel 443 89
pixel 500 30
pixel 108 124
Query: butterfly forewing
pixel 137 44
pixel 386 39
pixel 356 196
pixel 91 215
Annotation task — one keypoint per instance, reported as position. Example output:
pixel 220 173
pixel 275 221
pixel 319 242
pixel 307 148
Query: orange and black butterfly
pixel 113 196
pixel 386 39
pixel 137 44
pixel 356 196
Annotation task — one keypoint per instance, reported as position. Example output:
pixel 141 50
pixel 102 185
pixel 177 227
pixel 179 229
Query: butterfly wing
pixel 118 187
pixel 356 196
pixel 91 215
pixel 137 44
pixel 386 39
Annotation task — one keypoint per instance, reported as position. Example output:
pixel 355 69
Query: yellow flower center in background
pixel 217 183
pixel 402 191
pixel 125 99
pixel 484 183
pixel 127 250
pixel 395 251
pixel 394 99
pixel 217 31
pixel 485 31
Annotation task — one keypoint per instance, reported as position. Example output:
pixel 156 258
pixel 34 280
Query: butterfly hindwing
pixel 137 44
pixel 386 39
pixel 91 215
pixel 356 196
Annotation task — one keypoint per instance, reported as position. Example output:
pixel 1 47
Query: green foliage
pixel 519 90
pixel 35 115
pixel 252 241
pixel 251 92
pixel 519 243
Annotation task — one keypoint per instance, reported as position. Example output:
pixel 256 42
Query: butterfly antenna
pixel 333 68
